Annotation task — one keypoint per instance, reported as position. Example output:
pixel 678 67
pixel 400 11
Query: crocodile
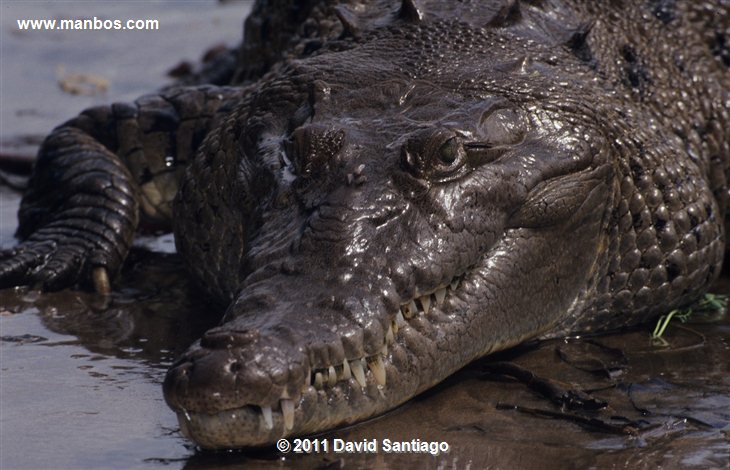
pixel 383 191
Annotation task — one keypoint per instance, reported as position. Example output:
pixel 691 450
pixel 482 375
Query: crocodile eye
pixel 449 160
pixel 435 154
pixel 449 152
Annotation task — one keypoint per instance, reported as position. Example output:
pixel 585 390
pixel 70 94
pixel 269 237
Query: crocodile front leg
pixel 97 176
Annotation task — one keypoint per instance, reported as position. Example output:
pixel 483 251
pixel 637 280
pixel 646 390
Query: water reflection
pixel 153 315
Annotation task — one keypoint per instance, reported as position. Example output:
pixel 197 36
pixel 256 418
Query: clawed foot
pixel 54 264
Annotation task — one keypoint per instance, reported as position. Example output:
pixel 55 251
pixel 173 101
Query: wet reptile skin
pixel 387 191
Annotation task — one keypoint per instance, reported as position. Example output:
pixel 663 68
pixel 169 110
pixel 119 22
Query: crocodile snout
pixel 230 369
pixel 293 368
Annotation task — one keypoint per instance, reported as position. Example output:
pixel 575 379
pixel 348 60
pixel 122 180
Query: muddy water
pixel 80 377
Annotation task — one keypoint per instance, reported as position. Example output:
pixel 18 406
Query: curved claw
pixel 100 279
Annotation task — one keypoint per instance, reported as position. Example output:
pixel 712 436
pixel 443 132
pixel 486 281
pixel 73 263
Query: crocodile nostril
pixel 233 367
pixel 222 339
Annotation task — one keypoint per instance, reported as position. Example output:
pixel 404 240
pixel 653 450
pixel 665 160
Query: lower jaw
pixel 317 411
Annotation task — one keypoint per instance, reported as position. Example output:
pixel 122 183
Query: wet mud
pixel 80 375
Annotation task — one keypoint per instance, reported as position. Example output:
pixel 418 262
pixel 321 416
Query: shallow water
pixel 34 63
pixel 80 379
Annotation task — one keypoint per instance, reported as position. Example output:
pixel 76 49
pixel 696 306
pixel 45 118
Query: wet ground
pixel 80 377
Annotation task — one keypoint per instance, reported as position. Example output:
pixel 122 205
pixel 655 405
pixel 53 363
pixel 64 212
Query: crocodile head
pixel 406 206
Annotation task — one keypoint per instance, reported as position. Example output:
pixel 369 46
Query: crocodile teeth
pixel 358 372
pixel 389 338
pixel 426 303
pixel 454 284
pixel 440 296
pixel 410 310
pixel 268 418
pixel 378 369
pixel 331 377
pixel 399 320
pixel 346 373
pixel 318 380
pixel 287 409
pixel 384 351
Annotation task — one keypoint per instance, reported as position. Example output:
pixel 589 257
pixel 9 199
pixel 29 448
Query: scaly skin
pixel 404 187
